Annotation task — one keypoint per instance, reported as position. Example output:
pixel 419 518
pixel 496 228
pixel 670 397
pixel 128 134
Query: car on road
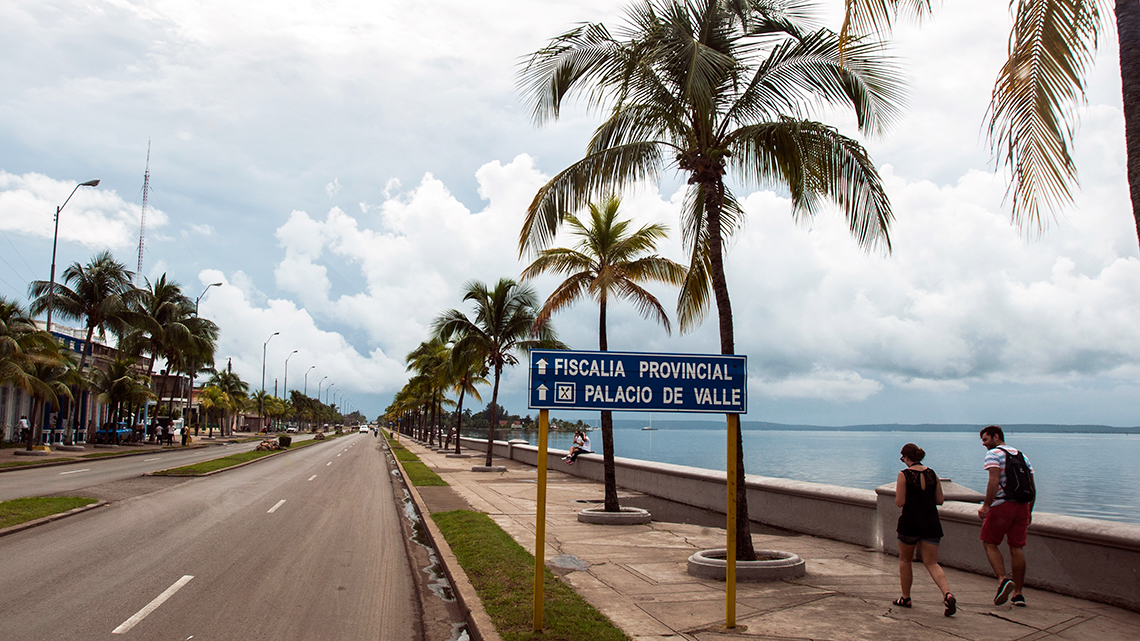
pixel 290 429
pixel 114 433
pixel 363 429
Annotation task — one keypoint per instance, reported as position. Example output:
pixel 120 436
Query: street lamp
pixel 264 345
pixel 54 242
pixel 196 300
pixel 285 383
pixel 327 390
pixel 319 389
pixel 306 392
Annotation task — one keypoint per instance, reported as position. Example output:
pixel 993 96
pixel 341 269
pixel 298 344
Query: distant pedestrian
pixel 1006 512
pixel 919 493
pixel 583 447
pixel 25 430
pixel 185 435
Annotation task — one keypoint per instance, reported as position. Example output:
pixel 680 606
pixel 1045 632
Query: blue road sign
pixel 638 382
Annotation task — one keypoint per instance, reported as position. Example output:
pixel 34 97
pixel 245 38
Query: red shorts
pixel 1004 519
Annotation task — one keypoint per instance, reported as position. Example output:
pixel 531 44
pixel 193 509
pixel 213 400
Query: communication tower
pixel 142 225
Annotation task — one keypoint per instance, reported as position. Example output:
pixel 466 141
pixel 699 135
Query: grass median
pixel 33 461
pixel 415 469
pixel 502 573
pixel 19 511
pixel 212 465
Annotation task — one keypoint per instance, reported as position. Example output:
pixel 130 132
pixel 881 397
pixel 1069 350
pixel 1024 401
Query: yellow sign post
pixel 540 520
pixel 730 508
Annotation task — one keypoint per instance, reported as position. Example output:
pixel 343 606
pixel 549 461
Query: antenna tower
pixel 142 225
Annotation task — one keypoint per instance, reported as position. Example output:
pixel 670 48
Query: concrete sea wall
pixel 1087 558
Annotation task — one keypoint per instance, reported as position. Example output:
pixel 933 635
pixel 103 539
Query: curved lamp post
pixel 285 383
pixel 55 241
pixel 203 294
pixel 306 392
pixel 264 345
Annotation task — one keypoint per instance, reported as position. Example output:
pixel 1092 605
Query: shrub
pixel 284 441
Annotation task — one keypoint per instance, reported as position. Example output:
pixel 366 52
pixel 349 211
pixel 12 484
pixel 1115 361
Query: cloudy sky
pixel 343 167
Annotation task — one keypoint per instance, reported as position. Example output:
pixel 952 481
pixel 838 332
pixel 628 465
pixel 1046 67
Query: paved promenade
pixel 636 574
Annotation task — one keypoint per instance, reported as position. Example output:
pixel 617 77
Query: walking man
pixel 1006 512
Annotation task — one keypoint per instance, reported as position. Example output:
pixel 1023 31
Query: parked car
pixel 363 429
pixel 114 433
pixel 290 429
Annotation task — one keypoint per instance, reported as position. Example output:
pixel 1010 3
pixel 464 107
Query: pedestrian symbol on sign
pixel 563 392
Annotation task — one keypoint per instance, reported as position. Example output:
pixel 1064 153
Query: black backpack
pixel 1018 479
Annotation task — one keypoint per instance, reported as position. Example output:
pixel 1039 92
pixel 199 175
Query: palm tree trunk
pixel 459 413
pixel 494 406
pixel 75 410
pixel 609 474
pixel 714 200
pixel 1128 33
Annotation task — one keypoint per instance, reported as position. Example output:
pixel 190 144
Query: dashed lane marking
pixel 274 508
pixel 312 477
pixel 86 469
pixel 152 606
pixel 148 460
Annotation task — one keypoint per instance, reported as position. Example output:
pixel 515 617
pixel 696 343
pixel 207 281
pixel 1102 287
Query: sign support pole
pixel 540 520
pixel 730 509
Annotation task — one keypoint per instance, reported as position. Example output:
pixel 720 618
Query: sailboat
pixel 650 426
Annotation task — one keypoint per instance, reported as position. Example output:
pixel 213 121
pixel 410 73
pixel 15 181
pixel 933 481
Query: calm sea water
pixel 1089 475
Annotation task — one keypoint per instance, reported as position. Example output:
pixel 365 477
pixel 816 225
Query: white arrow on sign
pixel 542 392
pixel 541 366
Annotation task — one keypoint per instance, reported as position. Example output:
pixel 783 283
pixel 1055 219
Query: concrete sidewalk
pixel 637 576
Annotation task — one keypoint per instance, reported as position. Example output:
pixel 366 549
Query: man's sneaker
pixel 1004 588
pixel 1018 600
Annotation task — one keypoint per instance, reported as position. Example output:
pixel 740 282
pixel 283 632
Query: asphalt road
pixel 302 546
pixel 73 477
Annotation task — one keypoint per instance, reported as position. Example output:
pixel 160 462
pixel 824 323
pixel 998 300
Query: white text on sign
pixel 605 368
pixel 669 395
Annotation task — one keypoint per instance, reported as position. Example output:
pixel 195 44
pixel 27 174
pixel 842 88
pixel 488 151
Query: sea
pixel 1092 475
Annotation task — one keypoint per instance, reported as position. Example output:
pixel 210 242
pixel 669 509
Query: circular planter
pixel 774 566
pixel 31 453
pixel 627 516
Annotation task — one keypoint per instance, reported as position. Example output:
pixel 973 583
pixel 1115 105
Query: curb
pixel 80 459
pixel 478 621
pixel 27 525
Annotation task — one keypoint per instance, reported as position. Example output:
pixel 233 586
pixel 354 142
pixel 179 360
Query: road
pixel 73 477
pixel 302 546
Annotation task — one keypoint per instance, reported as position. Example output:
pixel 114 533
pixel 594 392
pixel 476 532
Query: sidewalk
pixel 636 575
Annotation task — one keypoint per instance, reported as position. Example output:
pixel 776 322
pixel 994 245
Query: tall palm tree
pixel 609 261
pixel 711 87
pixel 120 386
pixel 99 294
pixel 431 359
pixel 504 323
pixel 236 394
pixel 31 360
pixel 467 370
pixel 1032 113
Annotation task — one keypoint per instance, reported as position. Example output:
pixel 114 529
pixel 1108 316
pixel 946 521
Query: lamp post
pixel 203 294
pixel 54 242
pixel 319 389
pixel 327 390
pixel 285 383
pixel 261 411
pixel 306 392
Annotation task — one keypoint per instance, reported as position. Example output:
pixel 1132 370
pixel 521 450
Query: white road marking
pixel 152 606
pixel 148 460
pixel 87 469
pixel 312 477
pixel 328 464
pixel 274 508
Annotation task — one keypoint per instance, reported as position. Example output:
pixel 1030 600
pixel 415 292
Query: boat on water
pixel 650 426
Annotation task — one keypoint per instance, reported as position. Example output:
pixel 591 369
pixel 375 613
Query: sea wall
pixel 1087 558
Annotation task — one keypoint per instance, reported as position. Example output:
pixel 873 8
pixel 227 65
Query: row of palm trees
pixel 157 321
pixel 609 261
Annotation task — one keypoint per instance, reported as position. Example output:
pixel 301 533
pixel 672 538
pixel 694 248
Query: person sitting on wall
pixel 578 450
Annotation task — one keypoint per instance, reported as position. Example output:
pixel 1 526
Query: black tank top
pixel 920 513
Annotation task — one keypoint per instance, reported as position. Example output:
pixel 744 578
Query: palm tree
pixel 505 323
pixel 466 370
pixel 236 393
pixel 100 294
pixel 608 262
pixel 120 386
pixel 213 400
pixel 30 359
pixel 1032 116
pixel 432 359
pixel 711 87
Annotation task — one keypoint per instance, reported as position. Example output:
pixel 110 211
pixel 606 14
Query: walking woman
pixel 919 493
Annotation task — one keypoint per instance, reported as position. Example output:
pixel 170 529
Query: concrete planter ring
pixel 773 565
pixel 627 516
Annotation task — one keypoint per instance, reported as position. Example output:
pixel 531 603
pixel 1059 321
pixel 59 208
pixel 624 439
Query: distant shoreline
pixel 1012 428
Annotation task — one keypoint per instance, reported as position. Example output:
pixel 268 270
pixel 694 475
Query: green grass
pixel 503 575
pixel 33 461
pixel 420 475
pixel 102 454
pixel 19 511
pixel 211 465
